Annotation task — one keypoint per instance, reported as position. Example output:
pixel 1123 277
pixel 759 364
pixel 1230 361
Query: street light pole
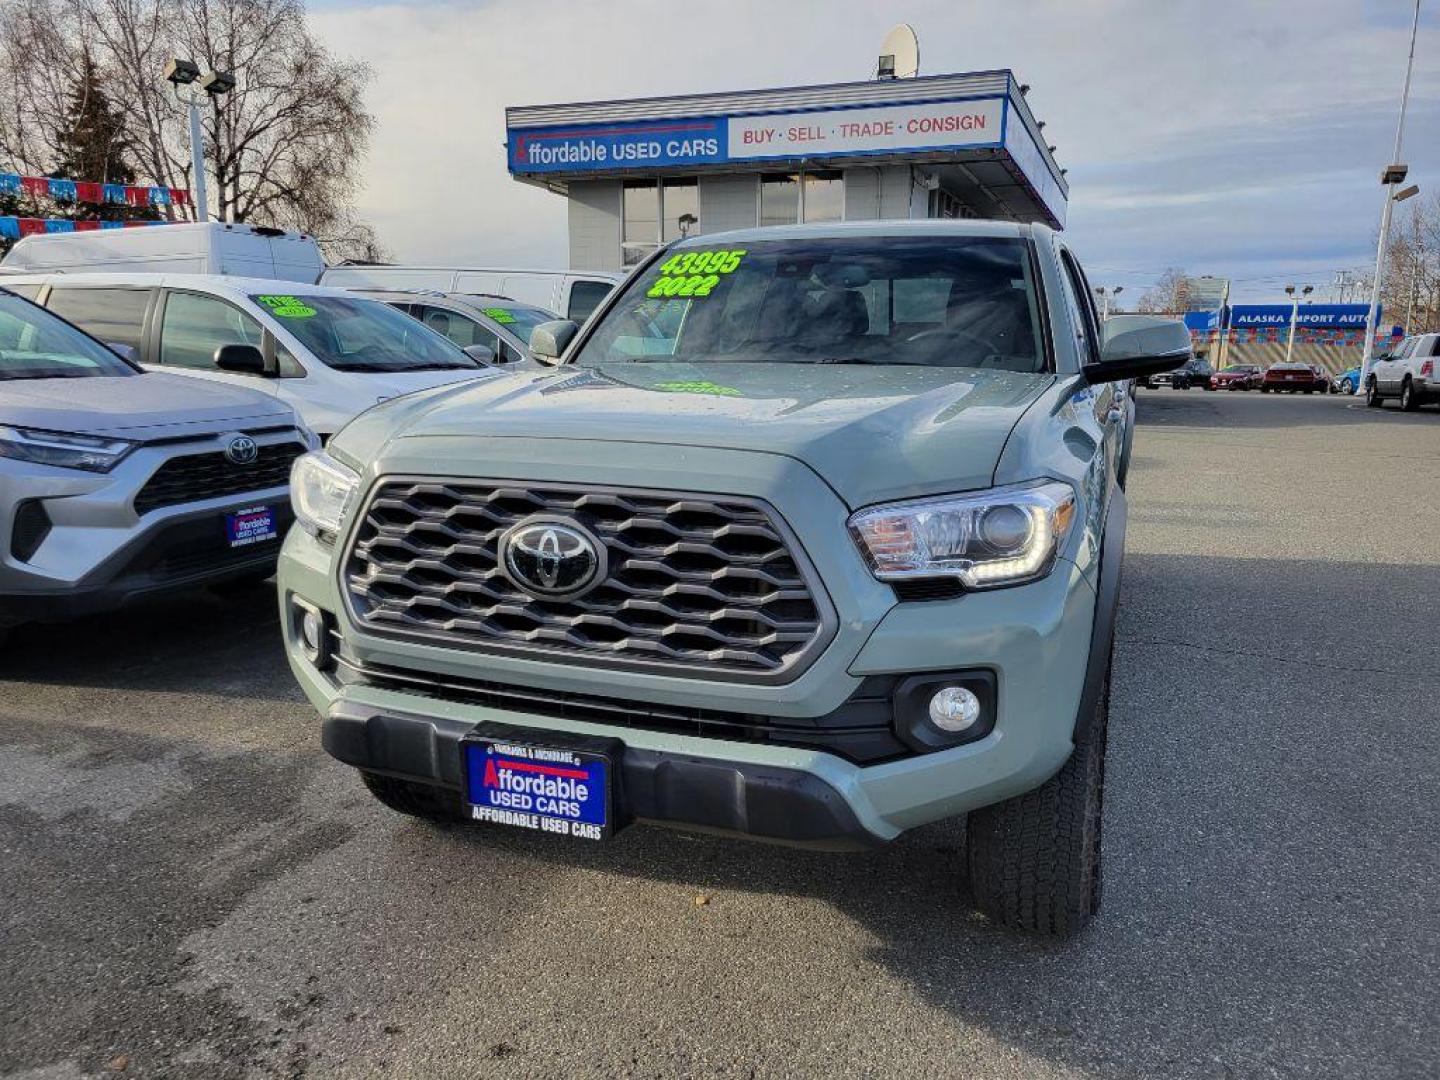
pixel 214 84
pixel 1294 314
pixel 197 159
pixel 1394 174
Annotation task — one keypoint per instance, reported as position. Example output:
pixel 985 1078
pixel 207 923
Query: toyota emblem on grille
pixel 242 450
pixel 552 559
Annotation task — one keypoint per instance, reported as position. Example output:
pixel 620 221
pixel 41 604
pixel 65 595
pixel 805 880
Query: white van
pixel 327 353
pixel 571 294
pixel 200 248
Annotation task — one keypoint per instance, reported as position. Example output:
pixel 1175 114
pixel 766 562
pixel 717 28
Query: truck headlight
pixel 62 449
pixel 320 491
pixel 987 539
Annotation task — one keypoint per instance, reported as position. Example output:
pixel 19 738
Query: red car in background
pixel 1236 377
pixel 1293 378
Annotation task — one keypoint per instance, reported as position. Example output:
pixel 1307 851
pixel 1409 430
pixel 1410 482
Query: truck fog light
pixel 310 631
pixel 312 628
pixel 954 709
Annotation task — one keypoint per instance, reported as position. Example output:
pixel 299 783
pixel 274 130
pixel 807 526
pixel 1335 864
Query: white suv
pixel 1411 373
pixel 327 353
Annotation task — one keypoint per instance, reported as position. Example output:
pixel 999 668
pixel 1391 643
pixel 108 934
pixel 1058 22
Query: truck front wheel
pixel 1035 859
pixel 415 800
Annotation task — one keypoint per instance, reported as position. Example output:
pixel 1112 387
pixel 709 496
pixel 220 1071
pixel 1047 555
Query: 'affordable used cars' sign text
pixel 715 140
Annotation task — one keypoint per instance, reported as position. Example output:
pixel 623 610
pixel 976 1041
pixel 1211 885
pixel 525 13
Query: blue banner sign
pixel 1328 316
pixel 603 147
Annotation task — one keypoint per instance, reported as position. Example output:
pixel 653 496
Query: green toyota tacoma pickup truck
pixel 811 534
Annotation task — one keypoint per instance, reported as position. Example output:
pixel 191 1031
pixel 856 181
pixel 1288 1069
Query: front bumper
pixel 1035 639
pixel 96 553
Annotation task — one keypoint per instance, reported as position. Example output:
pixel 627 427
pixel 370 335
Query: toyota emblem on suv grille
pixel 242 450
pixel 552 559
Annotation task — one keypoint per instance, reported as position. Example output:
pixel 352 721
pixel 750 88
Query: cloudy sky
pixel 1230 138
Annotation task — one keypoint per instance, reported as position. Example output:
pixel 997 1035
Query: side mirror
pixel 549 340
pixel 241 359
pixel 126 352
pixel 1139 345
pixel 482 353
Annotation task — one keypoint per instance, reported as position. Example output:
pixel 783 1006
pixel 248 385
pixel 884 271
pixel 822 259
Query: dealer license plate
pixel 251 526
pixel 549 789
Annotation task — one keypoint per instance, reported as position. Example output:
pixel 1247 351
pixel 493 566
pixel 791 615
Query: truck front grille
pixel 195 477
pixel 713 584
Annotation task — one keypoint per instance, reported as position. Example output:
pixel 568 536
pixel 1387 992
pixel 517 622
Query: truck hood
pixel 872 433
pixel 144 406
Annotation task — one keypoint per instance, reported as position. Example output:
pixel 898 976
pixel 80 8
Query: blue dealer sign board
pixel 852 131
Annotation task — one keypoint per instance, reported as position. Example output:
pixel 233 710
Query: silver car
pixel 474 321
pixel 116 483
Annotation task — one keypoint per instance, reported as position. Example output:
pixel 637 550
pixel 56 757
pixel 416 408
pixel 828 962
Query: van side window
pixel 115 316
pixel 195 326
pixel 585 297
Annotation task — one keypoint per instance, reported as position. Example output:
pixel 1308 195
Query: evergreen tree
pixel 93 144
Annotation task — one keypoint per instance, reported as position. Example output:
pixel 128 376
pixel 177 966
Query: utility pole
pixel 1393 175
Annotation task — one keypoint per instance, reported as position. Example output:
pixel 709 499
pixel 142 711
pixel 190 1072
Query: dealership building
pixel 639 173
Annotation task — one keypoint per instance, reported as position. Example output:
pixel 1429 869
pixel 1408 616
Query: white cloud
pixel 1228 137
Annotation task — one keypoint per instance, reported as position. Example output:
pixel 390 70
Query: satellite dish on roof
pixel 899 54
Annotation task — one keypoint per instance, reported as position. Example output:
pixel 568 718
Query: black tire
pixel 1264 389
pixel 1409 401
pixel 1309 391
pixel 1034 860
pixel 415 800
pixel 1372 393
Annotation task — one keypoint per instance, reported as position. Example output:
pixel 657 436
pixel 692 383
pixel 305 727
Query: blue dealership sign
pixel 599 147
pixel 1320 316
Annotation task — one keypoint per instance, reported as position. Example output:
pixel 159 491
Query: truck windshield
pixel 356 334
pixel 964 302
pixel 36 345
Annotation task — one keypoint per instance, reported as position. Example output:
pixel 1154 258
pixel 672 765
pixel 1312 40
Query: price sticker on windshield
pixel 499 314
pixel 695 273
pixel 286 307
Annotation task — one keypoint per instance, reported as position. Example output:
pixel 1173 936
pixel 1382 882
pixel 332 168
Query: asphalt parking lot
pixel 189 887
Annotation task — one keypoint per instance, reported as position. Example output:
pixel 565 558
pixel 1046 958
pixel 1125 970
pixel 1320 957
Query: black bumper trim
pixel 759 801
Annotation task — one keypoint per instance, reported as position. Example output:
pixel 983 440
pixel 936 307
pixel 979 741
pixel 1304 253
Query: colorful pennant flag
pixel 87 191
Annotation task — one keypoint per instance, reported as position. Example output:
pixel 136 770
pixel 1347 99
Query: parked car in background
pixel 1236 377
pixel 572 293
pixel 117 483
pixel 1293 378
pixel 494 322
pixel 196 248
pixel 783 564
pixel 1195 373
pixel 1407 374
pixel 1347 381
pixel 327 353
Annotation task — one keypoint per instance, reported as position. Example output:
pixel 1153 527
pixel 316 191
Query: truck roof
pixel 953 227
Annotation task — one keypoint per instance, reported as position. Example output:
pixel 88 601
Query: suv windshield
pixel 927 301
pixel 356 334
pixel 36 345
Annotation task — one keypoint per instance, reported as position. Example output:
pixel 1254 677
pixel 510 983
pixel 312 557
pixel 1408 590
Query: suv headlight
pixel 320 491
pixel 988 539
pixel 63 450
